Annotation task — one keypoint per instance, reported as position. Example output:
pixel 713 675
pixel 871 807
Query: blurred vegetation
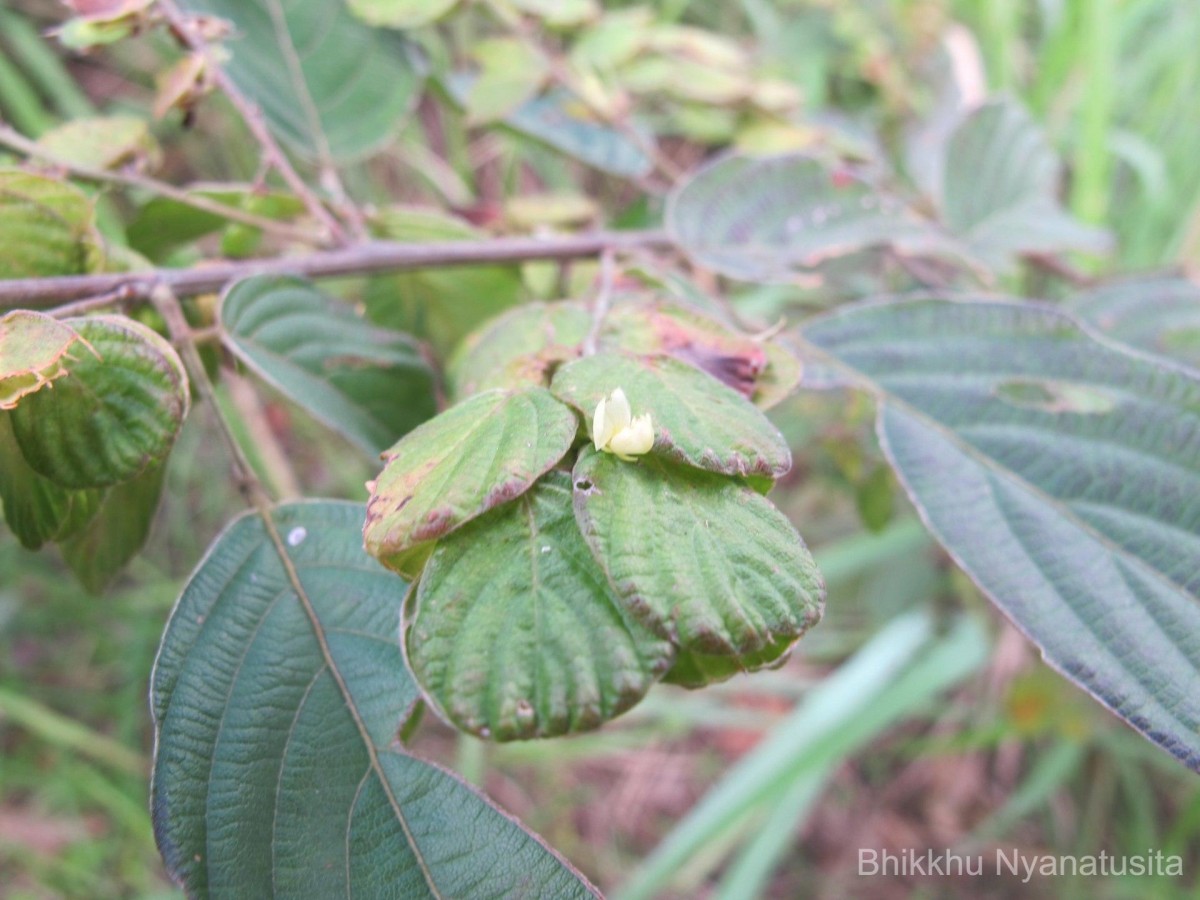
pixel 1013 755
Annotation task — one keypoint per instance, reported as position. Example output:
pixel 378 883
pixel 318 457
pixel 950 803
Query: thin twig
pixel 21 144
pixel 276 467
pixel 118 297
pixel 182 27
pixel 361 259
pixel 601 302
pixel 167 304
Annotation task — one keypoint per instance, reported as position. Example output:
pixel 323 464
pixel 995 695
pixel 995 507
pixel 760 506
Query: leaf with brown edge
pixel 694 670
pixel 519 347
pixel 705 343
pixel 32 349
pixel 514 631
pixel 117 413
pixel 698 421
pixel 477 455
pixel 699 558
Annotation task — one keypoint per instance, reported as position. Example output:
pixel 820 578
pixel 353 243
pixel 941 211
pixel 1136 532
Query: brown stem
pixel 360 259
pixel 21 144
pixel 273 154
pixel 167 304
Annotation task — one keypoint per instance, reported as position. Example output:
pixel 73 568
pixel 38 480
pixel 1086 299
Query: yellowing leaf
pixel 32 349
pixel 103 142
pixel 400 13
pixel 511 72
pixel 536 210
pixel 47 227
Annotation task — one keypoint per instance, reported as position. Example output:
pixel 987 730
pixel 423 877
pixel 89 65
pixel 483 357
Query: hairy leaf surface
pixel 514 633
pixel 1063 475
pixel 329 85
pixel 116 414
pixel 370 384
pixel 477 455
pixel 697 420
pixel 277 695
pixel 699 558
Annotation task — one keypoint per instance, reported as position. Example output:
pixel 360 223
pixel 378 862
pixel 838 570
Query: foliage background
pixel 1014 755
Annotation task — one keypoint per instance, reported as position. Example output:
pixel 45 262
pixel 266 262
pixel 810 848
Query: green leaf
pixel 34 351
pixel 277 695
pixel 511 72
pixel 514 633
pixel 47 227
pixel 163 224
pixel 1000 189
pixel 116 531
pixel 116 414
pixel 479 454
pixel 400 13
pixel 520 347
pixel 369 384
pixel 697 420
pixel 647 328
pixel 694 669
pixel 1064 477
pixel 1160 315
pixel 329 85
pixel 35 508
pixel 441 305
pixel 780 378
pixel 767 219
pixel 102 142
pixel 560 13
pixel 558 120
pixel 698 558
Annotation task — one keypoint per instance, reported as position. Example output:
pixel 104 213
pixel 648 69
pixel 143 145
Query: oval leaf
pixel 46 227
pixel 1000 189
pixel 370 384
pixel 116 530
pixel 116 414
pixel 277 694
pixel 514 633
pixel 765 219
pixel 483 452
pixel 697 420
pixel 35 508
pixel 1064 477
pixel 699 558
pixel 329 85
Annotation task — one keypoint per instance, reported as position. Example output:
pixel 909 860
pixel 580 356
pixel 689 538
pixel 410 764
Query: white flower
pixel 615 430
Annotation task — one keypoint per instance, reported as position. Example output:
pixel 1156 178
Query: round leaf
pixel 697 420
pixel 117 413
pixel 46 227
pixel 514 633
pixel 699 558
pixel 483 452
